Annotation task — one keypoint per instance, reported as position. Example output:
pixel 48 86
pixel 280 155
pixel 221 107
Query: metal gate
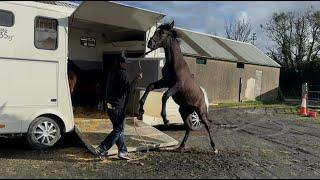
pixel 314 92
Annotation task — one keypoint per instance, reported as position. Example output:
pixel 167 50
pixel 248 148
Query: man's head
pixel 123 61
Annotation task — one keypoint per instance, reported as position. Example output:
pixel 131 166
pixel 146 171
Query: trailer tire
pixel 43 132
pixel 194 121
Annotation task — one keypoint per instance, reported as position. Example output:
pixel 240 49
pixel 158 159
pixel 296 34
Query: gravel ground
pixel 266 144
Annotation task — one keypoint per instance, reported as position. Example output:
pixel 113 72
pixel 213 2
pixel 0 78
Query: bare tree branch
pixel 296 36
pixel 238 30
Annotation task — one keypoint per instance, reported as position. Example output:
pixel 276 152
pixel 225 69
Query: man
pixel 118 88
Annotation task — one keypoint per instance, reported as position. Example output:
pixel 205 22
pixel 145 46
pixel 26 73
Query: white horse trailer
pixel 36 41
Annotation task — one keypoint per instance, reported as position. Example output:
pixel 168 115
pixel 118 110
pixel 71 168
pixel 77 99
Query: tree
pixel 239 30
pixel 296 47
pixel 296 37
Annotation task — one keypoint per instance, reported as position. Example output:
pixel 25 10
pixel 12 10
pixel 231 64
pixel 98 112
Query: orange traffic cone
pixel 303 109
pixel 312 114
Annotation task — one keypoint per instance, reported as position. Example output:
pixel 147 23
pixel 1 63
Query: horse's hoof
pixel 139 117
pixel 166 122
pixel 215 151
pixel 180 150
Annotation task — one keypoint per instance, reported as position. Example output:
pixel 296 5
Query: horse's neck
pixel 168 54
pixel 173 53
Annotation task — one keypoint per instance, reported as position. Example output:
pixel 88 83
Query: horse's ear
pixel 172 24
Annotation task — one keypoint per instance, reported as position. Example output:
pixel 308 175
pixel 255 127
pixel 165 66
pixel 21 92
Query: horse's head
pixel 162 35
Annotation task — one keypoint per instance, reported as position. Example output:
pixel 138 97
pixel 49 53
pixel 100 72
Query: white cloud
pixel 184 2
pixel 243 16
pixel 214 26
pixel 209 16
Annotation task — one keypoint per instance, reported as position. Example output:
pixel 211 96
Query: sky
pixel 210 16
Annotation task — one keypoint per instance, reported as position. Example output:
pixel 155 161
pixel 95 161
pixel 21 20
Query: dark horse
pixel 178 78
pixel 85 85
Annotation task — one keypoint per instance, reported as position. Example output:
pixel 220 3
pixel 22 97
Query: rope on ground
pixel 132 115
pixel 135 128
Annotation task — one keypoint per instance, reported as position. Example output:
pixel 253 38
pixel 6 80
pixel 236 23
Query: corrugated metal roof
pixel 250 53
pixel 61 3
pixel 223 49
pixel 186 49
pixel 209 46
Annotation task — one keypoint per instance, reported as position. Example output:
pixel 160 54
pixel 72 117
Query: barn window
pixel 6 18
pixel 240 65
pixel 201 61
pixel 46 33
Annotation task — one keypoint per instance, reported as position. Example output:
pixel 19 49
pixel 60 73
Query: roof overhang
pixel 111 13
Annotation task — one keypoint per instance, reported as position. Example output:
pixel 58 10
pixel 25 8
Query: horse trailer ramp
pixel 139 136
pixel 153 105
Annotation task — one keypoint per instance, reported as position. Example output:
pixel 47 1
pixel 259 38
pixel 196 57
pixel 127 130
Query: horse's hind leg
pixel 206 124
pixel 184 114
pixel 183 143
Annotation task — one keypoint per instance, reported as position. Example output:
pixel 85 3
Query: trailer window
pixel 46 33
pixel 6 18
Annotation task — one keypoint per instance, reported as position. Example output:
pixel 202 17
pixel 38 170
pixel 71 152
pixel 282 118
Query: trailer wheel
pixel 194 121
pixel 44 132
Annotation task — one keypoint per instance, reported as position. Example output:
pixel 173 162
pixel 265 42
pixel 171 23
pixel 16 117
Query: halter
pixel 151 39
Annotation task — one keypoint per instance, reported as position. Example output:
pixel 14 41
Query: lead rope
pixel 134 100
pixel 132 114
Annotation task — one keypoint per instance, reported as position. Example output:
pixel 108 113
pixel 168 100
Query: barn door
pixel 257 88
pixel 240 88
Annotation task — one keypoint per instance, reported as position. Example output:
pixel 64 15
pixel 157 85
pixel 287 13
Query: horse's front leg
pixel 165 97
pixel 156 85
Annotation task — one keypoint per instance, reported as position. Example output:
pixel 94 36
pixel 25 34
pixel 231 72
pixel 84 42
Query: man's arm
pixel 128 86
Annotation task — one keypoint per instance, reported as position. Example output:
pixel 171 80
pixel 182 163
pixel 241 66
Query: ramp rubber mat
pixel 139 136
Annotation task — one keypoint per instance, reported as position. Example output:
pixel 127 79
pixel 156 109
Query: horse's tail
pixel 206 99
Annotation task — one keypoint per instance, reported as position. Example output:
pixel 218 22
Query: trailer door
pixel 116 14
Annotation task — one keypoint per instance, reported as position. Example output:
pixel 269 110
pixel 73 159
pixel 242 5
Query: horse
pixel 176 76
pixel 73 70
pixel 86 86
pixel 72 78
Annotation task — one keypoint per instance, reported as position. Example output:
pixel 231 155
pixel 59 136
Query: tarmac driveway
pixel 265 144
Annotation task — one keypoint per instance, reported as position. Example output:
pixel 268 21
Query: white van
pixel 36 41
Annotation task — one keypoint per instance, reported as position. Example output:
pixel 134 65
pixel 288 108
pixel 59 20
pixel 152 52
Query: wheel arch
pixel 58 117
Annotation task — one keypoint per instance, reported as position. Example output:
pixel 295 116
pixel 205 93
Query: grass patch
pixel 309 119
pixel 278 107
pixel 253 104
